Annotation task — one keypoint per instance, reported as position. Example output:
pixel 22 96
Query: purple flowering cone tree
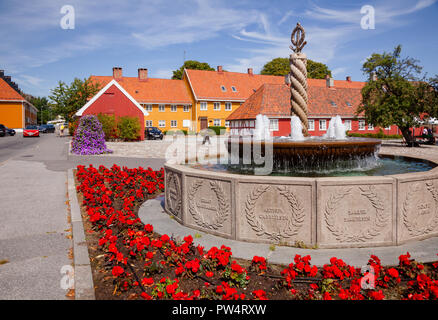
pixel 89 137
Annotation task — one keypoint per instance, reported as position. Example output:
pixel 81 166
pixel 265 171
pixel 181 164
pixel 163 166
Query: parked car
pixel 31 131
pixel 2 130
pixel 153 133
pixel 9 131
pixel 50 128
pixel 42 128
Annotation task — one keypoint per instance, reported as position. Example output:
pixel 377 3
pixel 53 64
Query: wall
pixel 212 114
pixel 167 116
pixel 114 102
pixel 11 114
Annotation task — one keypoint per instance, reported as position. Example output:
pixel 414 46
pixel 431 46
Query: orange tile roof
pixel 151 90
pixel 207 84
pixel 274 100
pixel 8 93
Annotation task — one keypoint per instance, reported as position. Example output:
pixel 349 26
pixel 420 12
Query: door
pixel 204 123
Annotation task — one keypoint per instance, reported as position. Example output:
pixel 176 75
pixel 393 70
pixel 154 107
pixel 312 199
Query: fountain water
pixel 336 129
pixel 296 129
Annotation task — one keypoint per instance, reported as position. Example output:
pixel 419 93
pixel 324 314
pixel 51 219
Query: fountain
pixel 301 205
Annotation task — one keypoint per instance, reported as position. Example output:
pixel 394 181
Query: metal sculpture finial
pixel 297 38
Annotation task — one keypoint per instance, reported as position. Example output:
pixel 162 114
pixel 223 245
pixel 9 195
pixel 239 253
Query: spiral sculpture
pixel 297 77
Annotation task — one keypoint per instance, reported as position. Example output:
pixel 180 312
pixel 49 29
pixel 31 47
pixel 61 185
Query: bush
pixel 129 128
pixel 218 129
pixel 379 135
pixel 109 126
pixel 89 137
pixel 72 126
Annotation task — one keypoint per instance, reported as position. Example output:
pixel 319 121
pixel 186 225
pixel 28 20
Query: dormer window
pixel 223 89
pixel 333 103
pixel 233 88
pixel 348 104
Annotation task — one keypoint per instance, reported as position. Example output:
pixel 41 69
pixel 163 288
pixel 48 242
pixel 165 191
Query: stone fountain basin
pixel 329 212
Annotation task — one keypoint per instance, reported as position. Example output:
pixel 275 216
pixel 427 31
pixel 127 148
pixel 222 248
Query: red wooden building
pixel 114 100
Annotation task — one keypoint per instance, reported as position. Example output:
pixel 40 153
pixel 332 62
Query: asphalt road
pixel 11 146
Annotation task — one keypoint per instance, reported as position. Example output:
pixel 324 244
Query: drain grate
pixel 27 156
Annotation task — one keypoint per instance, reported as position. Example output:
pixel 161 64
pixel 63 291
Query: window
pixel 203 106
pixel 322 124
pixel 333 103
pixel 370 126
pixel 388 128
pixel 161 107
pixel 216 106
pixel 227 123
pixel 347 124
pixel 148 107
pixel 186 123
pixel 228 106
pixel 217 122
pixel 233 88
pixel 173 108
pixel 223 89
pixel 186 108
pixel 162 123
pixel 173 123
pixel 273 124
pixel 348 104
pixel 311 124
pixel 361 124
pixel 149 123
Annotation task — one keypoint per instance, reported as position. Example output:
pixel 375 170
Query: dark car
pixel 2 130
pixel 42 128
pixel 50 128
pixel 153 133
pixel 9 131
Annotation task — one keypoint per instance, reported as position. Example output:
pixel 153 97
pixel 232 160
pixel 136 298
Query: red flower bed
pixel 148 265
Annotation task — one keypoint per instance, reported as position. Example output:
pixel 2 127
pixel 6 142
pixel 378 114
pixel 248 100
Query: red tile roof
pixel 274 100
pixel 151 90
pixel 8 93
pixel 207 84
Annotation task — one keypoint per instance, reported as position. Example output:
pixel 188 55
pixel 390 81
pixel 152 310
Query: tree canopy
pixel 281 67
pixel 191 64
pixel 67 99
pixel 45 112
pixel 396 93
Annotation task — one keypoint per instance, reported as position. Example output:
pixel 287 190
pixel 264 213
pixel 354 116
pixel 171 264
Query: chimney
pixel 329 81
pixel 219 68
pixel 117 73
pixel 2 73
pixel 348 78
pixel 142 74
pixel 250 72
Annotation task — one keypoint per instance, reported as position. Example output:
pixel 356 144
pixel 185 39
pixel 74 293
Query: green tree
pixel 281 67
pixel 395 94
pixel 66 100
pixel 45 112
pixel 191 64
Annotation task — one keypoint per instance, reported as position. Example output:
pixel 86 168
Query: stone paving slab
pixel 152 212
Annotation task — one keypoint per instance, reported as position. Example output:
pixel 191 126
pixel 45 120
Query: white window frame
pixel 361 124
pixel 173 108
pixel 227 123
pixel 233 88
pixel 186 123
pixel 223 88
pixel 149 123
pixel 347 124
pixel 370 126
pixel 161 123
pixel 228 106
pixel 203 106
pixel 148 107
pixel 311 125
pixel 215 106
pixel 173 123
pixel 273 124
pixel 162 108
pixel 388 128
pixel 322 127
pixel 217 122
pixel 186 108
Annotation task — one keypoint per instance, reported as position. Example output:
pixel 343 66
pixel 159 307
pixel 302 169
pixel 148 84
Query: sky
pixel 44 42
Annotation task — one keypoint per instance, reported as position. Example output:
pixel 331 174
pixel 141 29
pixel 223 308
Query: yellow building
pixel 15 111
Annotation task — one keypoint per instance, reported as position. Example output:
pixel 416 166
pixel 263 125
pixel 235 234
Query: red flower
pixel 117 271
pixel 209 274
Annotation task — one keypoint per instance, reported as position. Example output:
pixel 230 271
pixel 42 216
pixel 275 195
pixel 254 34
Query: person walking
pixel 61 130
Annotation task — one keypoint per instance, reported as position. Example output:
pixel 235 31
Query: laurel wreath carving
pixel 174 208
pixel 294 223
pixel 340 232
pixel 412 224
pixel 223 210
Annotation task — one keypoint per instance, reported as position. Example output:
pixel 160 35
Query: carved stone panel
pixel 173 194
pixel 355 215
pixel 209 205
pixel 271 213
pixel 418 209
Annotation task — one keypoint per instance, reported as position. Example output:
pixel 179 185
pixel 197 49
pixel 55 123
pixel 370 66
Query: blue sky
pixel 154 34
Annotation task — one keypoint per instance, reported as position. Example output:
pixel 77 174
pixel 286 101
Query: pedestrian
pixel 61 130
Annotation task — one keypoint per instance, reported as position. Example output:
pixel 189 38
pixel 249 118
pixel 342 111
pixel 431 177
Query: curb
pixel 83 278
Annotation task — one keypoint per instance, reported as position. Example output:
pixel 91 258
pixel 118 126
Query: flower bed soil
pixel 130 261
